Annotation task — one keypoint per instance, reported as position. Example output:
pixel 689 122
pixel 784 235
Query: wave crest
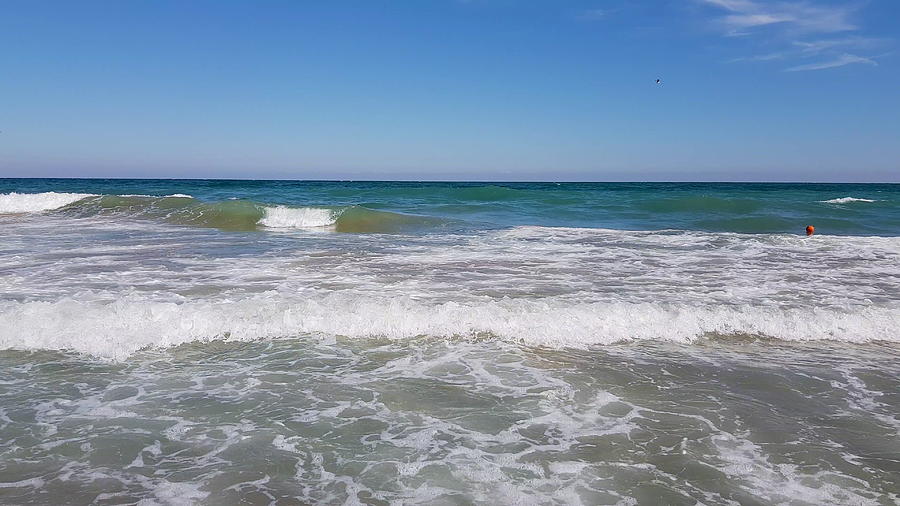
pixel 120 328
pixel 845 200
pixel 14 203
pixel 302 217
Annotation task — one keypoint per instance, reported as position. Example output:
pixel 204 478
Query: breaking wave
pixel 304 217
pixel 845 200
pixel 182 209
pixel 117 329
pixel 14 203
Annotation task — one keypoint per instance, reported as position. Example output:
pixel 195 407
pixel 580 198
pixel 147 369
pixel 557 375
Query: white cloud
pixel 839 61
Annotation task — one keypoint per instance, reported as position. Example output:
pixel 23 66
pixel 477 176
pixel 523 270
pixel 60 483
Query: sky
pixel 550 90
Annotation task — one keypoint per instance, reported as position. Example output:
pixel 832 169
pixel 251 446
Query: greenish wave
pixel 245 215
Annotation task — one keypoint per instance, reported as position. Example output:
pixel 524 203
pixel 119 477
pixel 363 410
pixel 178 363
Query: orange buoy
pixel 810 230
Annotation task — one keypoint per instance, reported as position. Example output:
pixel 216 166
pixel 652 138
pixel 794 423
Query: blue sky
pixel 447 89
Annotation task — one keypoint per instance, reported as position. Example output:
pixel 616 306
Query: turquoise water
pixel 717 207
pixel 276 342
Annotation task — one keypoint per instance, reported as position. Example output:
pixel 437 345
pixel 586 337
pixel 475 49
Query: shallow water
pixel 319 420
pixel 181 342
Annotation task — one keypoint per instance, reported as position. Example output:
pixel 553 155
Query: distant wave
pixel 702 204
pixel 37 202
pixel 739 215
pixel 845 200
pixel 119 328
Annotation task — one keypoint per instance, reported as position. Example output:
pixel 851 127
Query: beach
pixel 291 342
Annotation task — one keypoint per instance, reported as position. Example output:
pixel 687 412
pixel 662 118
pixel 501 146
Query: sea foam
pixel 303 217
pixel 37 202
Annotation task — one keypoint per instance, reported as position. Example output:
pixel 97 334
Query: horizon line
pixel 498 181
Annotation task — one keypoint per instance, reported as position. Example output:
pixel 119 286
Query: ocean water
pixel 278 342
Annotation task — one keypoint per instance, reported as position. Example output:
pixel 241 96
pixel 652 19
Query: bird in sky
pixel 659 81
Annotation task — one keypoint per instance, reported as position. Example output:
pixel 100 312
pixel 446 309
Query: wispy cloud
pixel 839 61
pixel 611 9
pixel 594 14
pixel 801 16
pixel 814 47
pixel 779 55
pixel 796 22
pixel 739 21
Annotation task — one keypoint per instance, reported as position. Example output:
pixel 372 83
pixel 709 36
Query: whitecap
pixel 845 200
pixel 172 196
pixel 302 217
pixel 117 329
pixel 37 202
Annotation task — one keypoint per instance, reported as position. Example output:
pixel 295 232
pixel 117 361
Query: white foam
pixel 302 217
pixel 119 328
pixel 776 483
pixel 31 482
pixel 845 200
pixel 37 202
pixel 172 196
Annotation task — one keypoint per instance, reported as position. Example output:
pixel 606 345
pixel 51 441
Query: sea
pixel 231 342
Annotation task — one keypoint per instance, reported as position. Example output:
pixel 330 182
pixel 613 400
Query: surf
pixel 846 200
pixel 119 328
